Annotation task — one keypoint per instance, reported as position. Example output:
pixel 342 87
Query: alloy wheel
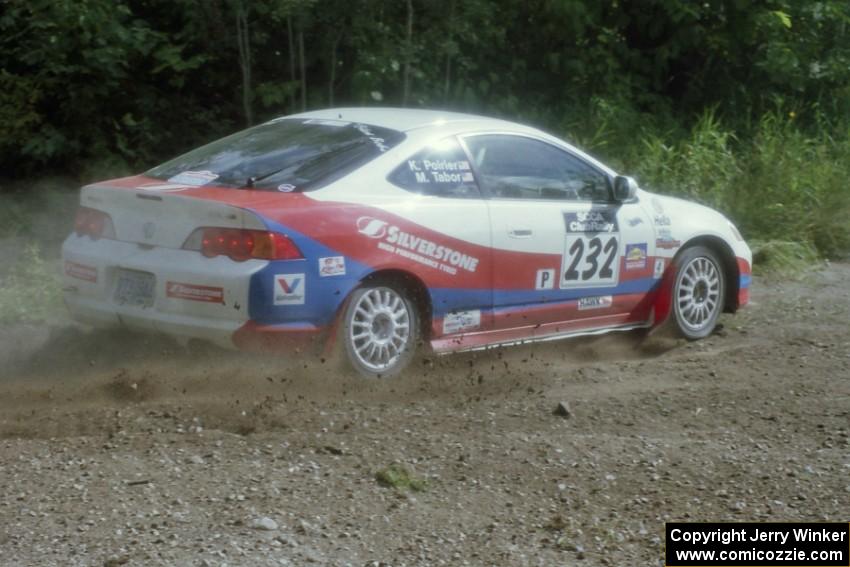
pixel 380 329
pixel 698 293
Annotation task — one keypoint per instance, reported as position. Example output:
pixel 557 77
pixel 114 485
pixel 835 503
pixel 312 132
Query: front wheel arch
pixel 698 291
pixel 730 267
pixel 662 305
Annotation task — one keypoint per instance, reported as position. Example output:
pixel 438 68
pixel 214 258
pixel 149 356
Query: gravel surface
pixel 123 449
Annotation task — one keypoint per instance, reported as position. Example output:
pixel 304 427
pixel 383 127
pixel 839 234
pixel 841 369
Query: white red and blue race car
pixel 373 231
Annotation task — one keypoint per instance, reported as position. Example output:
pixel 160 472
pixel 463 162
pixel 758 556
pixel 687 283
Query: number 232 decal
pixel 591 250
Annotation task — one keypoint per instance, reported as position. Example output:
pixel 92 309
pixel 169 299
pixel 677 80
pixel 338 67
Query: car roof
pixel 437 123
pixel 406 119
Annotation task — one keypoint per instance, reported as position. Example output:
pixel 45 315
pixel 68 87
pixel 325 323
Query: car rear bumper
pixel 745 280
pixel 289 337
pixel 102 314
pixel 192 297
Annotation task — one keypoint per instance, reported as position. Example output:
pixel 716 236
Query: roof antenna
pixel 340 115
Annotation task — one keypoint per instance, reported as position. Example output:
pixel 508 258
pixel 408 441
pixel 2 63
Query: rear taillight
pixel 94 223
pixel 242 244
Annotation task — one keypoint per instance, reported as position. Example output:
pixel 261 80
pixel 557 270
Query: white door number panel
pixel 591 249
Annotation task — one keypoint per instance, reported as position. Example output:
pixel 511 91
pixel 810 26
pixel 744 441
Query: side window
pixel 515 167
pixel 441 170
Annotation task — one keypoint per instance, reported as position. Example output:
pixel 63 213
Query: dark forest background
pixel 742 104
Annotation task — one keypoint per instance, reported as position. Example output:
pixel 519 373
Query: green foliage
pixel 29 291
pixel 701 167
pixel 783 258
pixel 776 182
pixel 397 476
pixel 740 104
pixel 72 67
pixel 14 218
pixel 794 186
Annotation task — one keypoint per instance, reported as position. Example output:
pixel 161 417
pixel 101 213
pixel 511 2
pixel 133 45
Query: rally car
pixel 375 232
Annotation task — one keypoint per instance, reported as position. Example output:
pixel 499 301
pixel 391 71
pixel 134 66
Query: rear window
pixel 440 170
pixel 283 155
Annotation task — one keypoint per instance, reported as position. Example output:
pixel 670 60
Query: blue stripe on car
pixel 324 295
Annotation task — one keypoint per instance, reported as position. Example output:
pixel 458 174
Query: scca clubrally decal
pixel 591 249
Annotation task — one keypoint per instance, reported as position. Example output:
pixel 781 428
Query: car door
pixel 573 258
pixel 454 254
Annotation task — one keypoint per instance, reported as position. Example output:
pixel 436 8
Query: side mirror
pixel 625 188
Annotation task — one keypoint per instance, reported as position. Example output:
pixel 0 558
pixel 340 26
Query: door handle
pixel 520 232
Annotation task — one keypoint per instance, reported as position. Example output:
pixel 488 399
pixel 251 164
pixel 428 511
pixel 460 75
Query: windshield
pixel 286 155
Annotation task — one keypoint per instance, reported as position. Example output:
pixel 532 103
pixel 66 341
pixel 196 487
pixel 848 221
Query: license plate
pixel 134 288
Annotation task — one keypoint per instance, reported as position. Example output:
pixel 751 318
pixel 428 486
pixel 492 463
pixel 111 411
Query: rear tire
pixel 379 330
pixel 699 292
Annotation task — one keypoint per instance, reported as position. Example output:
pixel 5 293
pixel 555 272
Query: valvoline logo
pixel 372 227
pixel 289 289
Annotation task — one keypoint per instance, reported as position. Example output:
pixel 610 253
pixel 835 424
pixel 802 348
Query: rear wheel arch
pixel 415 288
pixel 406 281
pixel 339 349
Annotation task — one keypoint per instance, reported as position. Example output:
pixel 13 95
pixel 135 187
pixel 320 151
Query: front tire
pixel 379 330
pixel 698 292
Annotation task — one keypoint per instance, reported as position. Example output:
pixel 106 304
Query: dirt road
pixel 125 449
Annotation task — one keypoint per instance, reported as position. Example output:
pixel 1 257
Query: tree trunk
pixel 448 82
pixel 447 85
pixel 303 69
pixel 293 76
pixel 332 78
pixel 409 53
pixel 244 43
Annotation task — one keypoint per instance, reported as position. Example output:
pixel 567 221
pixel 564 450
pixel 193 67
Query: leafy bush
pixel 97 88
pixel 397 476
pixel 776 182
pixel 783 258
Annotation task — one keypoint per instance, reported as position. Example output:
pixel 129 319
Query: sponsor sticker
pixel 545 279
pixel 193 292
pixel 194 178
pixel 659 268
pixel 379 142
pixel 636 256
pixel 600 302
pixel 662 220
pixel 437 165
pixel 373 228
pixel 461 321
pixel 416 248
pixel 81 271
pixel 591 249
pixel 332 266
pixel 665 240
pixel 441 171
pixel 634 221
pixel 591 221
pixel 289 289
